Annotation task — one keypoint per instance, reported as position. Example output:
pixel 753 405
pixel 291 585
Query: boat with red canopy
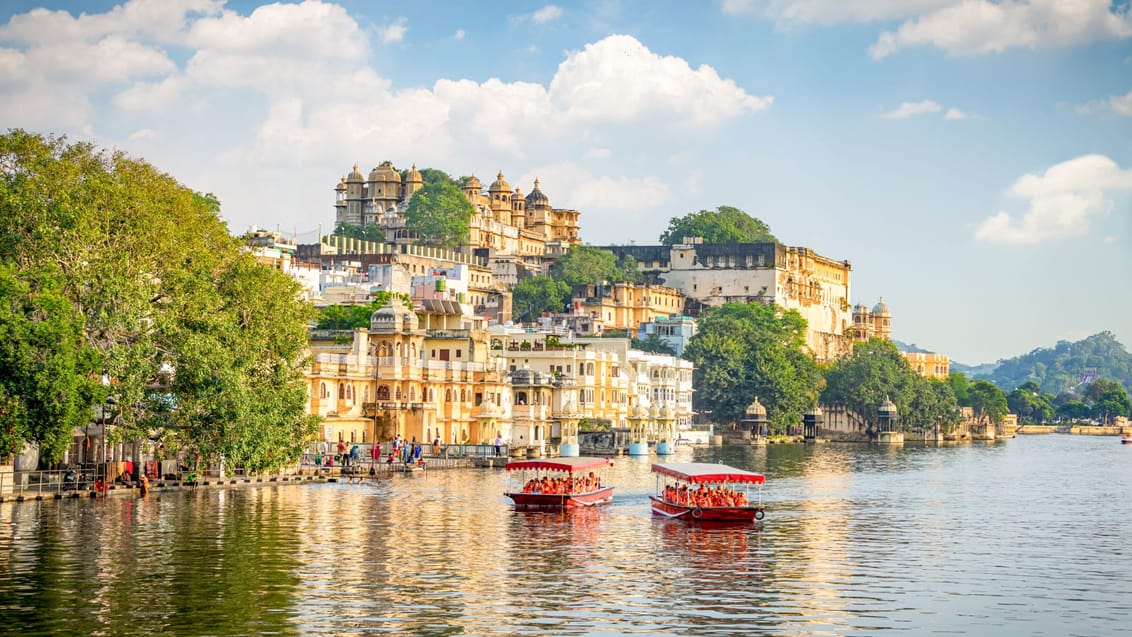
pixel 706 492
pixel 556 483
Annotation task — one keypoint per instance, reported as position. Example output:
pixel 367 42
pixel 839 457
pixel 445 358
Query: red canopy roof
pixel 560 464
pixel 702 472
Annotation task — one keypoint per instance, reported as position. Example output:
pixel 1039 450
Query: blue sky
pixel 972 159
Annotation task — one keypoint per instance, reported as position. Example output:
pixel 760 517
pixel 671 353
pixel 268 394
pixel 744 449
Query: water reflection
pixel 1024 538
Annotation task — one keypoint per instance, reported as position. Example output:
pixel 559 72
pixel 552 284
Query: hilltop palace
pixel 458 366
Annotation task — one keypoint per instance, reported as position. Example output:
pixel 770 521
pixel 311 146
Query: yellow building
pixel 505 222
pixel 399 378
pixel 875 323
pixel 625 306
pixel 929 365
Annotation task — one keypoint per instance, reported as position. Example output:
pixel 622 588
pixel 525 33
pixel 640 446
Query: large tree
pixel 587 265
pixel 156 307
pixel 875 372
pixel 748 350
pixel 348 317
pixel 725 224
pixel 535 295
pixel 440 214
pixel 987 401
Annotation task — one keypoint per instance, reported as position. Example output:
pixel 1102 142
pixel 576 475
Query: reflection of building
pixel 504 221
pixel 875 323
pixel 929 364
pixel 794 278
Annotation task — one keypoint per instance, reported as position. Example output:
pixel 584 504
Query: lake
pixel 1029 536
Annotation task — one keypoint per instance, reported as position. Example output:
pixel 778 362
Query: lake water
pixel 1029 536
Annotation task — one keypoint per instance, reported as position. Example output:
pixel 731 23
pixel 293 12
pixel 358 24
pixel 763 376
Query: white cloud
pixel 459 34
pixel 546 14
pixel 151 96
pixel 308 29
pixel 567 184
pixel 142 134
pixel 977 27
pixel 619 79
pixel 393 32
pixel 789 12
pixel 1061 201
pixel 955 114
pixel 158 20
pixel 910 109
pixel 1119 104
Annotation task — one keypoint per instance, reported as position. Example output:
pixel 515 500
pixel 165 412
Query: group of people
pixel 704 496
pixel 557 486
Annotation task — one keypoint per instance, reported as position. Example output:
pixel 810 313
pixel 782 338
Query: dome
pixel 881 309
pixel 569 408
pixel 473 184
pixel 414 175
pixel 516 196
pixel 354 174
pixel 887 408
pixel 654 411
pixel 665 413
pixel 756 410
pixel 341 184
pixel 385 172
pixel 536 197
pixel 860 308
pixel 500 184
pixel 639 412
pixel 813 411
pixel 393 318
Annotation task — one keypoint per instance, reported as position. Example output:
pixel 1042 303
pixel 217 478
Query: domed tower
pixel 518 210
pixel 340 200
pixel 472 188
pixel 354 195
pixel 500 193
pixel 413 183
pixel 882 320
pixel 862 325
pixel 537 210
pixel 383 188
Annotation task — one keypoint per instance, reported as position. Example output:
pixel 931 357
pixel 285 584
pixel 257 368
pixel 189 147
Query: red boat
pixel 557 483
pixel 704 492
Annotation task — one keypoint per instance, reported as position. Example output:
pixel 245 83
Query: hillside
pixel 1064 366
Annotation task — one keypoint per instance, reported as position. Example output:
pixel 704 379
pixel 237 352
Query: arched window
pixel 383 392
pixel 341 391
pixel 430 396
pixel 322 393
pixel 398 393
pixel 447 395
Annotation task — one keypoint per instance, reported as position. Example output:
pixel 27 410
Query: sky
pixel 971 159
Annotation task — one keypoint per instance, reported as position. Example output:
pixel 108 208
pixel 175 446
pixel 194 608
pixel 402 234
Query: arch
pixel 322 393
pixel 341 391
pixel 383 392
pixel 448 395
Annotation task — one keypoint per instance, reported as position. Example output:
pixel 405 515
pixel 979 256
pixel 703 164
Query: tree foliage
pixel 349 317
pixel 587 265
pixel 875 372
pixel 111 269
pixel 987 401
pixel 748 350
pixel 368 232
pixel 1107 400
pixel 535 295
pixel 653 343
pixel 440 214
pixel 725 224
pixel 1030 404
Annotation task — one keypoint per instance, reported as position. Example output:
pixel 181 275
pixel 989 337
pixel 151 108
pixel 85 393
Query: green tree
pixel 440 215
pixel 368 232
pixel 539 294
pixel 1030 405
pixel 1108 400
pixel 587 265
pixel 191 332
pixel 653 344
pixel 725 224
pixel 349 317
pixel 748 350
pixel 875 372
pixel 959 386
pixel 987 401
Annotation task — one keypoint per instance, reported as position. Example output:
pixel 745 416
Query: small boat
pixel 1126 439
pixel 557 483
pixel 705 492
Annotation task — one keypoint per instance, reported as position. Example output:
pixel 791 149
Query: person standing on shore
pixel 143 485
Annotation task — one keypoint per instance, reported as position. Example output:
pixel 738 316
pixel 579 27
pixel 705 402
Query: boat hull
pixel 561 500
pixel 705 514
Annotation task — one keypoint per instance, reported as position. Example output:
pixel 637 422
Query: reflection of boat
pixel 707 492
pixel 555 483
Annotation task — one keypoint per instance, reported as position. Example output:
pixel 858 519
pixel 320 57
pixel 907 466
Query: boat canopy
pixel 705 472
pixel 560 464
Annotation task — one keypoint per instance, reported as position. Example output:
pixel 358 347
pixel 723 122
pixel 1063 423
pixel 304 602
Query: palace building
pixel 505 222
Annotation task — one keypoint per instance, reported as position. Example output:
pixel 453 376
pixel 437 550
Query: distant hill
pixel 982 370
pixel 1066 366
pixel 913 348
